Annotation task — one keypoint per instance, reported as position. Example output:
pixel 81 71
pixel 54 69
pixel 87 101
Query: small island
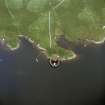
pixel 44 22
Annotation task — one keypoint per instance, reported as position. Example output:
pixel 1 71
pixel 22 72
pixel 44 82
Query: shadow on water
pixel 25 81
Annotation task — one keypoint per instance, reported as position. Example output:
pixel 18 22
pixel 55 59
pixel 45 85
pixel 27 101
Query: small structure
pixel 55 61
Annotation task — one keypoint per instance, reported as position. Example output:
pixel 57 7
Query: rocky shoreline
pixel 61 41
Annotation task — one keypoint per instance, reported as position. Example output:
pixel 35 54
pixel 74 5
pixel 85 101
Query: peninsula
pixel 45 21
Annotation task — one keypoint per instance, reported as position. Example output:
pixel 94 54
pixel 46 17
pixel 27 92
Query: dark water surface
pixel 23 81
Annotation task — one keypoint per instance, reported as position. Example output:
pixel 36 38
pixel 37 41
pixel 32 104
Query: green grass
pixel 76 19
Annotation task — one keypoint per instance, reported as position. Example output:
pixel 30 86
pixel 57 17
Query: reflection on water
pixel 27 81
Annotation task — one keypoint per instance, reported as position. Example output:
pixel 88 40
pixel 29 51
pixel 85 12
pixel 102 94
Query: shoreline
pixel 44 51
pixel 96 42
pixel 13 48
